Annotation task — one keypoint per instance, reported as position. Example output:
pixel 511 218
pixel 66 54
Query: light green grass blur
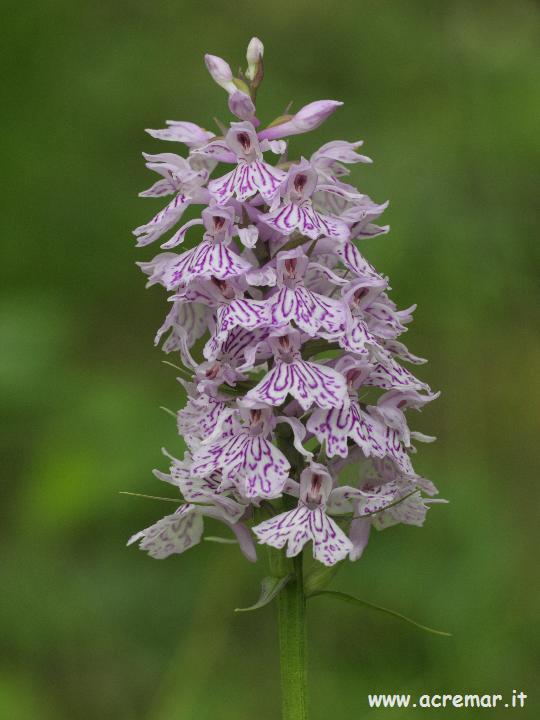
pixel 446 96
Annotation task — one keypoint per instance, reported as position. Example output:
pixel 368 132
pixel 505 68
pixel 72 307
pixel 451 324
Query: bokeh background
pixel 446 96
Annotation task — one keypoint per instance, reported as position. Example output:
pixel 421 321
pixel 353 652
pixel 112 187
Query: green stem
pixel 292 646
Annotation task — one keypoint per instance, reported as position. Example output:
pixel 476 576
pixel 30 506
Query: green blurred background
pixel 446 96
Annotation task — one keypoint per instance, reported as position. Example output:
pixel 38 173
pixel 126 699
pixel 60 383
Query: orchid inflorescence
pixel 286 337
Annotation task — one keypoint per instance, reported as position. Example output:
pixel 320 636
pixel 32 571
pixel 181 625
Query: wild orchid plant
pixel 288 350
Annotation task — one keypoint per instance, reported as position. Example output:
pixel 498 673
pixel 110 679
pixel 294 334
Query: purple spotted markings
pixel 285 338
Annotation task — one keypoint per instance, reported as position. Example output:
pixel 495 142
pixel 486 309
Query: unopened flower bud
pixel 254 56
pixel 307 118
pixel 221 72
pixel 242 106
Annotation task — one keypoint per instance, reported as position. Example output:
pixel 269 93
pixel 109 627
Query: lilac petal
pixel 334 427
pixel 160 188
pixel 162 222
pixel 347 192
pixel 249 314
pixel 368 230
pixel 356 337
pixel 169 165
pixel 340 151
pixel 296 527
pixel 261 276
pixel 194 489
pixel 217 261
pixel 264 470
pixel 184 132
pixel 224 508
pixel 204 261
pixel 156 268
pixel 242 106
pixel 211 458
pixel 185 321
pixel 290 528
pixel 172 534
pixel 254 465
pixel 180 234
pixel 330 544
pixel 278 147
pixel 384 320
pixel 246 180
pixel 245 541
pixel 390 411
pixel 318 269
pixel 309 383
pixel 303 217
pixel 217 150
pixel 365 501
pixel 199 418
pixel 297 305
pixel 222 189
pixel 363 211
pixel 306 119
pixel 394 449
pixel 359 535
pixel 411 510
pixel 389 374
pixel 176 273
pixel 248 237
pixel 309 310
pixel 285 219
pixel 356 263
pixel 299 433
pixel 399 349
pixel 240 345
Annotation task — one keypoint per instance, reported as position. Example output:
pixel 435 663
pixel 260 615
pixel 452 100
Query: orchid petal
pixel 306 119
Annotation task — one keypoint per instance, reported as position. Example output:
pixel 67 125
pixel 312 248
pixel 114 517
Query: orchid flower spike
pixel 263 306
pixel 287 341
